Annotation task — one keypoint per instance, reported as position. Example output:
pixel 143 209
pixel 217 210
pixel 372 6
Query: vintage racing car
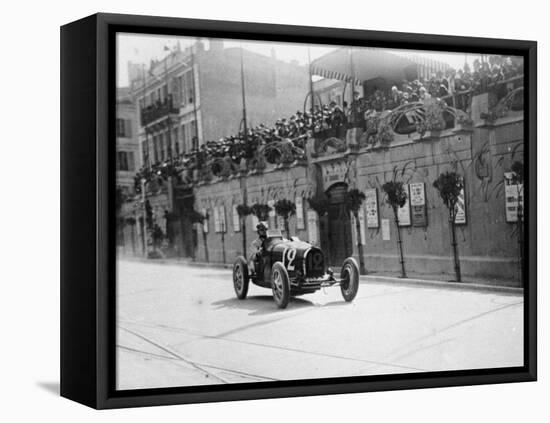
pixel 292 267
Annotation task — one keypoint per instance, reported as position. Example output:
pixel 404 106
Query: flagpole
pixel 194 96
pixel 243 93
pixel 169 123
pixel 311 91
pixel 247 148
pixel 352 83
pixel 144 79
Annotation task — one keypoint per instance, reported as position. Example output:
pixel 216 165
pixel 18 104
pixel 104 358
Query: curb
pixel 441 284
pixel 363 278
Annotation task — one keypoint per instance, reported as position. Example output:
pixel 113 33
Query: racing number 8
pixel 291 256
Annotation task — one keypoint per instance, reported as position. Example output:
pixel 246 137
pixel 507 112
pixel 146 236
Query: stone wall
pixel 488 245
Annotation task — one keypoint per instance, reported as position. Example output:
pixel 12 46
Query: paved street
pixel 182 326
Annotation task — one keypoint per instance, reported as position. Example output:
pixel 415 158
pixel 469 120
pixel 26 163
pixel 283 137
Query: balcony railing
pixel 157 111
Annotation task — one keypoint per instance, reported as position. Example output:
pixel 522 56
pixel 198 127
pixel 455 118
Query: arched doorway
pixel 338 226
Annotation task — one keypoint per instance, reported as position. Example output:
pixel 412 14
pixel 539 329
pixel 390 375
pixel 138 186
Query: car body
pixel 292 267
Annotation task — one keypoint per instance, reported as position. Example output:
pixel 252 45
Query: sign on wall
pixel 418 204
pixel 205 221
pixel 271 214
pixel 460 209
pixel 404 213
pixel 300 224
pixel 371 204
pixel 312 227
pixel 281 224
pixel 386 229
pixel 223 223
pixel 334 172
pixel 513 195
pixel 236 220
pixel 216 219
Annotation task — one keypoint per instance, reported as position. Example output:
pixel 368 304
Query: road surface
pixel 182 325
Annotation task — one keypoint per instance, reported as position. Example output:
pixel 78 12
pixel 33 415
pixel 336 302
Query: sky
pixel 142 48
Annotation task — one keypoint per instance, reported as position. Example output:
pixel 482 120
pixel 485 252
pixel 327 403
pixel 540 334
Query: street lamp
pixel 143 200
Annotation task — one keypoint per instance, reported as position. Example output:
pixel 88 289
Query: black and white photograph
pixel 290 211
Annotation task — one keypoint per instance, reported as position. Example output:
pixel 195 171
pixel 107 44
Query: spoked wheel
pixel 280 284
pixel 349 276
pixel 240 277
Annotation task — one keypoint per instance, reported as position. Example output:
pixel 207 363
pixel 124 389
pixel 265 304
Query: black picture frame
pixel 87 217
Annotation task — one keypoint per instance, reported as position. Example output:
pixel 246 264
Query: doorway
pixel 339 235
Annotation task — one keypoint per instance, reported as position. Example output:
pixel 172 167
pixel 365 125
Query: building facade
pixel 195 95
pixel 128 162
pixel 481 143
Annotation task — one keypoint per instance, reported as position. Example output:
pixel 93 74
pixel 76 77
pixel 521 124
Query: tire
pixel 241 279
pixel 349 276
pixel 280 285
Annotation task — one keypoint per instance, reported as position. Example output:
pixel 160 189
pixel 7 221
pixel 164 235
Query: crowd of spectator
pixel 236 148
pixel 443 85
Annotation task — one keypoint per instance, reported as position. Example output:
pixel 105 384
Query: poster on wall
pixel 281 224
pixel 205 221
pixel 312 227
pixel 223 223
pixel 418 204
pixel 216 219
pixel 404 213
pixel 460 216
pixel 300 224
pixel 513 197
pixel 371 204
pixel 236 220
pixel 271 214
pixel 386 229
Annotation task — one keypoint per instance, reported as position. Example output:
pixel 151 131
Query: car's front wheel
pixel 349 275
pixel 280 284
pixel 240 277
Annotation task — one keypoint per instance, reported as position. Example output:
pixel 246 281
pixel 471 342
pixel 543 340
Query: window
pixel 155 148
pixel 123 128
pixel 144 151
pixel 120 128
pixel 190 89
pixel 122 160
pixel 161 146
pixel 193 134
pixel 176 141
pixel 184 138
pixel 168 143
pixel 187 87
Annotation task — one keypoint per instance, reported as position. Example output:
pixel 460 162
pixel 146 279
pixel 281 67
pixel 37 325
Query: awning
pixel 363 64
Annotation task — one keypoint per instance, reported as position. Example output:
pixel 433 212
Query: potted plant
pixel 396 197
pixel 285 209
pixel 450 185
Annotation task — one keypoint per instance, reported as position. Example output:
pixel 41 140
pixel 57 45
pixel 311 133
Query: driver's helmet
pixel 261 228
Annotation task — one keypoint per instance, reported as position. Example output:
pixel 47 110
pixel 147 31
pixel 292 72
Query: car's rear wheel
pixel 349 276
pixel 240 277
pixel 280 284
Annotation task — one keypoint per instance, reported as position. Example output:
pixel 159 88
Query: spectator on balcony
pixel 423 94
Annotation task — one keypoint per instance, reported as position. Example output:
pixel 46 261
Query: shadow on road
pixel 260 305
